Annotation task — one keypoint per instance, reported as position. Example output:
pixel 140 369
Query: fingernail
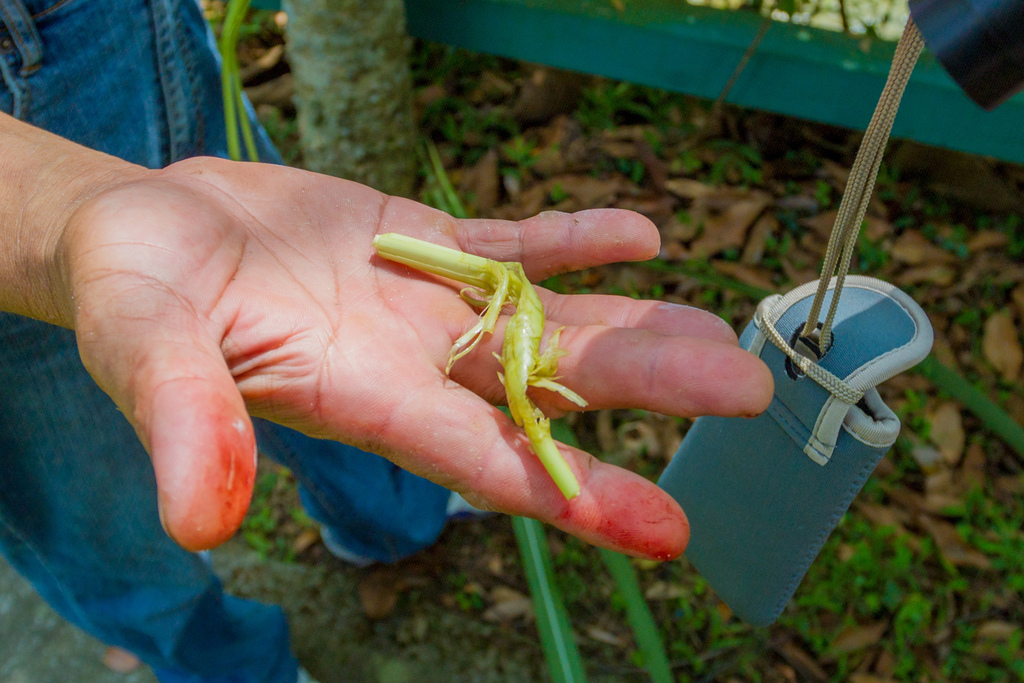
pixel 674 309
pixel 670 307
pixel 163 521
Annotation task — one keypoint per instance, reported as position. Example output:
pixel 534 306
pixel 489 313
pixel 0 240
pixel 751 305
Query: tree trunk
pixel 353 90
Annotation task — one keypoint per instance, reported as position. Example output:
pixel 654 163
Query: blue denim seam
pixel 170 86
pixel 23 31
pixel 17 87
pixel 52 8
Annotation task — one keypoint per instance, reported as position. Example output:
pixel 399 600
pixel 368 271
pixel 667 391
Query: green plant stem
pixel 231 84
pixel 556 637
pixel 992 416
pixel 645 631
pixel 453 204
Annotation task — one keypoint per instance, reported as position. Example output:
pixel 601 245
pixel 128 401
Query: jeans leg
pixel 372 507
pixel 78 518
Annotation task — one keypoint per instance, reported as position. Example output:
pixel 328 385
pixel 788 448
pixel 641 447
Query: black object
pixel 979 42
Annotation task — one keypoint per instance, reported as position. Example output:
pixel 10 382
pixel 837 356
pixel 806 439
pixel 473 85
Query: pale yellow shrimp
pixel 498 283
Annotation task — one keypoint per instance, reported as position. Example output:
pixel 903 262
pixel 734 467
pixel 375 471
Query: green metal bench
pixel 809 73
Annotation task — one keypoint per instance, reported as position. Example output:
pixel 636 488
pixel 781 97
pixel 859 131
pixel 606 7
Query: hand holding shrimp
pixel 209 291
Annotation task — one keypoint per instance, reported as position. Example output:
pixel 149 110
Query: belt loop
pixel 19 24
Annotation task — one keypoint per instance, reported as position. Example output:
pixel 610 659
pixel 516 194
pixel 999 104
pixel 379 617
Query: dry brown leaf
pixel 877 228
pixel 884 666
pixel 262 64
pixel 907 499
pixel 822 223
pixel 929 459
pixel 853 638
pixel 605 636
pixel 727 215
pixel 378 591
pixel 882 515
pixel 868 678
pixel 930 274
pixel 1015 407
pixel 670 435
pixel 914 249
pixel 987 239
pixel 799 203
pixel 784 672
pixel 482 182
pixel 525 203
pixel 997 630
pixel 943 351
pixel 947 432
pixel 802 662
pixel 1001 345
pixel 607 440
pixel 674 230
pixel 659 209
pixel 278 92
pixel 939 483
pixel 1010 484
pixel 941 493
pixel 687 188
pixel 494 86
pixel 590 191
pixel 305 539
pixel 663 590
pixel 507 605
pixel 638 438
pixel 617 148
pixel 973 469
pixel 745 274
pixel 1018 299
pixel 753 250
pixel 547 93
pixel 953 548
pixel 837 173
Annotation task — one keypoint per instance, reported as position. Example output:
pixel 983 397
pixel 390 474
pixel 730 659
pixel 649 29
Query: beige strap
pixel 852 210
pixel 861 184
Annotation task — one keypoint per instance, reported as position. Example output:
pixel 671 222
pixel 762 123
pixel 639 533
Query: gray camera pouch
pixel 763 494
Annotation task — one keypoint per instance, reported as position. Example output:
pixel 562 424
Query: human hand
pixel 213 290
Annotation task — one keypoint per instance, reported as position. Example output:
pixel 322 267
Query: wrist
pixel 44 179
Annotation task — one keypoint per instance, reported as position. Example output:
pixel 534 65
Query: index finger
pixel 546 244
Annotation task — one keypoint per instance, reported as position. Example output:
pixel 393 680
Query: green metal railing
pixel 810 73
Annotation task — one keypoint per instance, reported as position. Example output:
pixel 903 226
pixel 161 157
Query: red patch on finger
pixel 205 472
pixel 628 514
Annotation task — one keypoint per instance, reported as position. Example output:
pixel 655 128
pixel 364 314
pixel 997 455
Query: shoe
pixel 459 510
pixel 343 553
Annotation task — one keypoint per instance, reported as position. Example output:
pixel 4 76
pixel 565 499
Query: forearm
pixel 43 179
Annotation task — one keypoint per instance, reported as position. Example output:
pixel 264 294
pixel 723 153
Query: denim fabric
pixel 139 79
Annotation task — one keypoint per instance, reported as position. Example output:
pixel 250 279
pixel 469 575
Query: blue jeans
pixel 139 79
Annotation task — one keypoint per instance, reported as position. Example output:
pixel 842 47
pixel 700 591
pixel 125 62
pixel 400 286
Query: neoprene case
pixel 762 495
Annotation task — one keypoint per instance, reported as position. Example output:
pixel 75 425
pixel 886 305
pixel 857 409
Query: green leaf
pixel 556 636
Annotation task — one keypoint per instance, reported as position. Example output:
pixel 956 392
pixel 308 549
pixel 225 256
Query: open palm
pixel 213 290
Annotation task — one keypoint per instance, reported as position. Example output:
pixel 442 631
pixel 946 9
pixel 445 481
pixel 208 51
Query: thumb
pixel 203 449
pixel 190 416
